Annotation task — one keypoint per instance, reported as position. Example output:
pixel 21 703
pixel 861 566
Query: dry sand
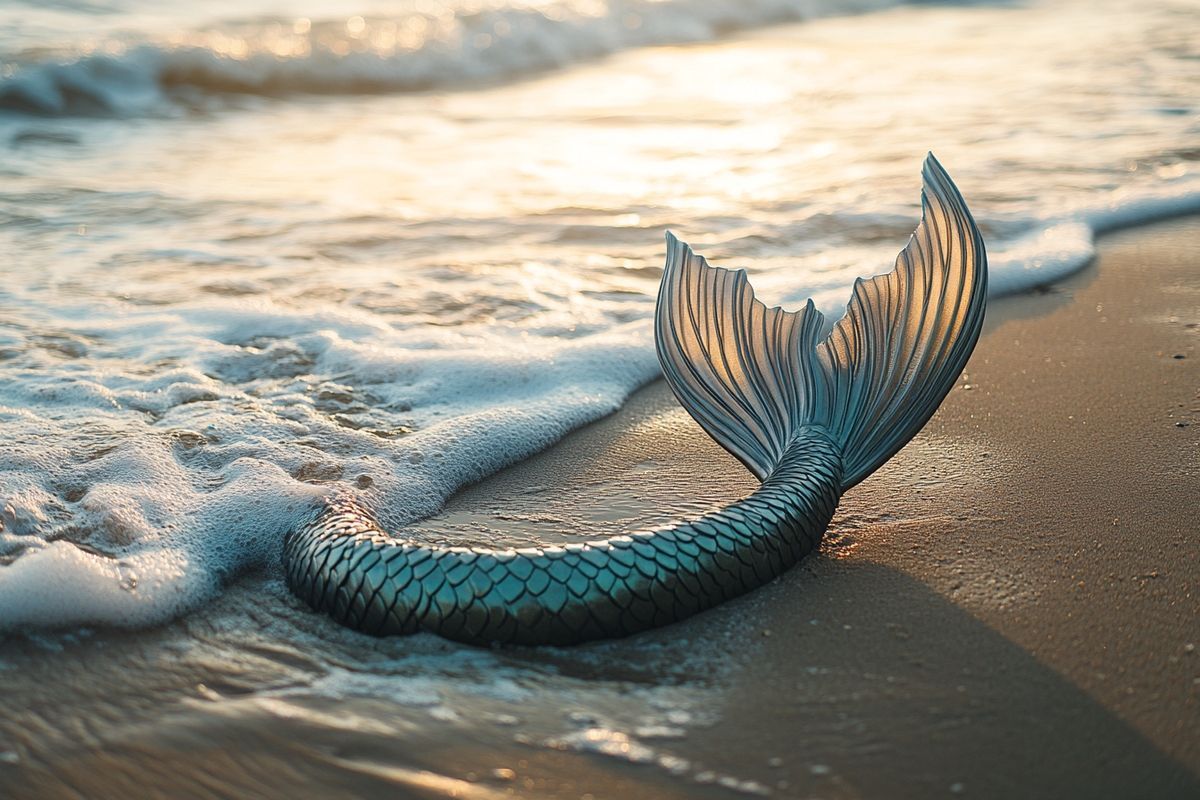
pixel 1009 608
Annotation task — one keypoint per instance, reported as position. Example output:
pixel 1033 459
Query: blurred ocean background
pixel 252 251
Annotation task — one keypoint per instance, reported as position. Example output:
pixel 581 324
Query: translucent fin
pixel 752 375
pixel 906 335
pixel 745 372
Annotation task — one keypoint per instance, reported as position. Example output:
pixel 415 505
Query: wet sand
pixel 1009 608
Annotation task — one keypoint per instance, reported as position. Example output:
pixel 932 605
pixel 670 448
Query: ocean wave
pixel 445 47
pixel 1056 247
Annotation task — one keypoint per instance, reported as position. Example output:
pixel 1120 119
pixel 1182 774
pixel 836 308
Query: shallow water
pixel 251 256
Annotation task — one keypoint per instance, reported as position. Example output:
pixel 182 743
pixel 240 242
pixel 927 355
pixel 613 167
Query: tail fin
pixel 752 375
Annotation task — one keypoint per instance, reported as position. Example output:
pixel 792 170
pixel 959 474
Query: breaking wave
pixel 436 48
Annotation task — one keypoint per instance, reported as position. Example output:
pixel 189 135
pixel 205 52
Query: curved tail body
pixel 810 418
pixel 343 564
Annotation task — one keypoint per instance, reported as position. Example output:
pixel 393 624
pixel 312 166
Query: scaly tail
pixel 809 418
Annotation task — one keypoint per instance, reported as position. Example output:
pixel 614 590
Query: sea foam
pixel 131 495
pixel 1055 248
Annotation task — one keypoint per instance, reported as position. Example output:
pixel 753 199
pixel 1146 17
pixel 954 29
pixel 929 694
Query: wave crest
pixel 369 55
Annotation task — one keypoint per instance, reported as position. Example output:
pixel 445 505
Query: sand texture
pixel 1009 608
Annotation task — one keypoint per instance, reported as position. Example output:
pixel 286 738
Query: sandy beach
pixel 1008 609
pixel 1010 605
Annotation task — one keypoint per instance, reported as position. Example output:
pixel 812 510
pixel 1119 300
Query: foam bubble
pixel 143 491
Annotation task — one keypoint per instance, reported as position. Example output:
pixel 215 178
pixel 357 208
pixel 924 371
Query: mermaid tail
pixel 809 418
pixel 342 563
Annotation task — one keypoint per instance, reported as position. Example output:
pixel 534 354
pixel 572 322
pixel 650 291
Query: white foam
pixel 59 584
pixel 1040 257
pixel 185 477
pixel 1128 207
pixel 1056 247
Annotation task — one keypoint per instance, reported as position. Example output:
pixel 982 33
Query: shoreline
pixel 1078 583
pixel 1002 610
